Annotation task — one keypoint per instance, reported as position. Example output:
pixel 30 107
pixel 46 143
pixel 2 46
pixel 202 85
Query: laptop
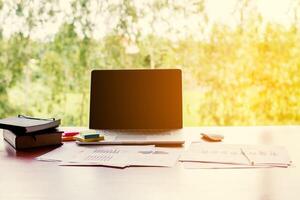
pixel 137 106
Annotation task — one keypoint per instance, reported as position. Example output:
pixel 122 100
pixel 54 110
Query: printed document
pixel 114 156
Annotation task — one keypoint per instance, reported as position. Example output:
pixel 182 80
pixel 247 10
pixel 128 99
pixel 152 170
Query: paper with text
pixel 201 165
pixel 71 152
pixel 163 157
pixel 99 156
pixel 122 158
pixel 214 153
pixel 113 156
pixel 258 155
pixel 267 155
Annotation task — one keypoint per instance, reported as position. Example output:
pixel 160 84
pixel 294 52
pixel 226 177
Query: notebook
pixel 23 124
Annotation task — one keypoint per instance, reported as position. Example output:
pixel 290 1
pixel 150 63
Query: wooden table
pixel 22 177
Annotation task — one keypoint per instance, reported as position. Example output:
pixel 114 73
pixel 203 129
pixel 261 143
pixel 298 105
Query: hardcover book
pixel 42 138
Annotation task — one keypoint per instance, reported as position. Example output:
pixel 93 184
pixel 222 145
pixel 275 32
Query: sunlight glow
pixel 183 24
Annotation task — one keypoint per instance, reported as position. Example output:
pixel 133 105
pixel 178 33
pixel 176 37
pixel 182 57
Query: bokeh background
pixel 240 58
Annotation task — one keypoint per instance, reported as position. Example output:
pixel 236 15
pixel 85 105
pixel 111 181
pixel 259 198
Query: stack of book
pixel 24 132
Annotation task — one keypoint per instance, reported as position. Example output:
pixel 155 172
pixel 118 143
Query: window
pixel 240 58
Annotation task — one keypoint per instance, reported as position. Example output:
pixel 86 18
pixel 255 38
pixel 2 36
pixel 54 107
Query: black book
pixel 38 139
pixel 22 125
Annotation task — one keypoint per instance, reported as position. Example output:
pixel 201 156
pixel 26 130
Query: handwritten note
pixel 267 155
pixel 262 155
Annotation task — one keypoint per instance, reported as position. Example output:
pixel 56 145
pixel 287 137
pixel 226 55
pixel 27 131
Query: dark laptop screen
pixel 136 99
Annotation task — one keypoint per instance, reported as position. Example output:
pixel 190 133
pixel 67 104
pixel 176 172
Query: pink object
pixel 70 133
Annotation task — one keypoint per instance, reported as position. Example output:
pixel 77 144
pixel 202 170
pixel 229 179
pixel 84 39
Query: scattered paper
pixel 214 153
pixel 99 156
pixel 201 155
pixel 162 157
pixel 59 154
pixel 71 152
pixel 266 155
pixel 198 155
pixel 201 165
pixel 114 156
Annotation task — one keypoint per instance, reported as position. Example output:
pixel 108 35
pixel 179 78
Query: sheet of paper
pixel 209 155
pixel 214 153
pixel 267 155
pixel 70 152
pixel 113 156
pixel 161 157
pixel 200 165
pixel 59 154
pixel 100 156
pixel 122 158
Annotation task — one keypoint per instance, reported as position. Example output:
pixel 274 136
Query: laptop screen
pixel 136 99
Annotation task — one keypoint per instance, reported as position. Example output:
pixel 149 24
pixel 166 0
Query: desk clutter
pixel 23 132
pixel 82 136
pixel 113 156
pixel 199 155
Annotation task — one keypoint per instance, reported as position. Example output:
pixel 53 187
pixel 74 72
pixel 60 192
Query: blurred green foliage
pixel 246 75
